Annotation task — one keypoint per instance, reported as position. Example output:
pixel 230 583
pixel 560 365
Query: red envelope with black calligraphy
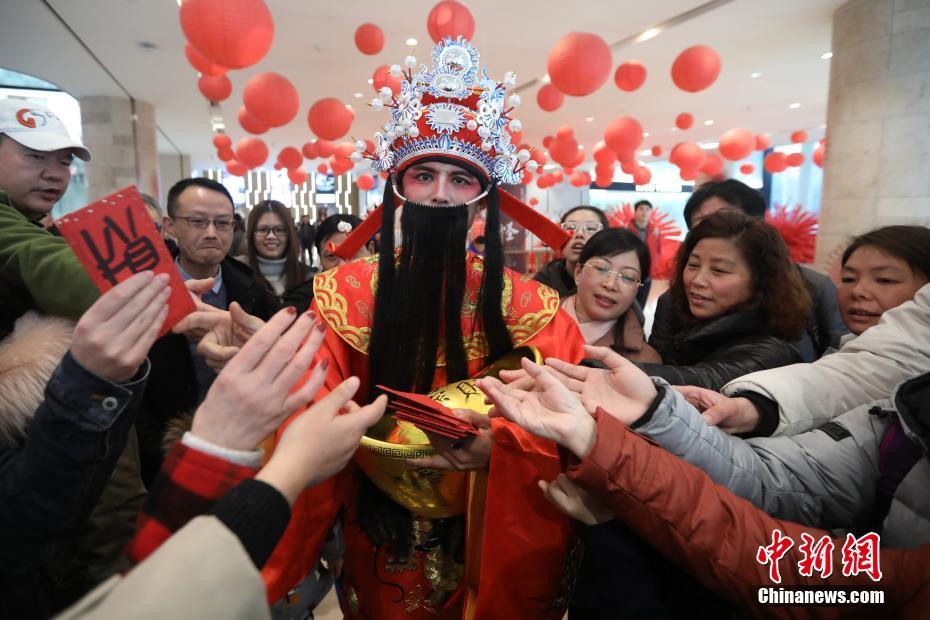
pixel 115 238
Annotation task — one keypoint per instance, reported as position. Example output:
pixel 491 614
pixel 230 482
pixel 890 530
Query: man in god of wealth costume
pixel 427 542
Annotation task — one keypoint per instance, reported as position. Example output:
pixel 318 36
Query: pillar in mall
pixel 121 134
pixel 877 166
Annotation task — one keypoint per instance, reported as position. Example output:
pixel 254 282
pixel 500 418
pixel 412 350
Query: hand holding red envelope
pixel 426 414
pixel 115 238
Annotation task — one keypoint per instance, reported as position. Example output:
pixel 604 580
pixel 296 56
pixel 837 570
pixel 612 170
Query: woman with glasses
pixel 274 254
pixel 740 302
pixel 608 274
pixel 582 222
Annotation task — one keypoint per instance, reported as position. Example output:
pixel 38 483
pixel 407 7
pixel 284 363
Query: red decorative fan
pixel 798 227
pixel 622 216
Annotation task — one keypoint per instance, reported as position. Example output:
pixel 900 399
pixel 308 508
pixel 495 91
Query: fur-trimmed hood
pixel 28 357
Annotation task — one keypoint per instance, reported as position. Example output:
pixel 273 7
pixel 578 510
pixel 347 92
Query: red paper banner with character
pixel 115 238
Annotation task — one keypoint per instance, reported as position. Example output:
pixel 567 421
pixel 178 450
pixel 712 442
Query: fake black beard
pixel 420 297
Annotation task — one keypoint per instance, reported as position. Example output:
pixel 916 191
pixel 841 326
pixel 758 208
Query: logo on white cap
pixel 31 118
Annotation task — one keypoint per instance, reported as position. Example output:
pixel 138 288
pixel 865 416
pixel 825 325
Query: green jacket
pixel 38 271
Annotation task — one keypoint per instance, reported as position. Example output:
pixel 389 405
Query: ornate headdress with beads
pixel 454 110
pixel 457 113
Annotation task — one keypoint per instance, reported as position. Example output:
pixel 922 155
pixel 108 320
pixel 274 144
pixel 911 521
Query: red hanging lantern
pixel 580 178
pixel 795 160
pixel 818 155
pixel 221 140
pixel 656 151
pixel 325 148
pixel 322 168
pixel 330 119
pixel 642 175
pixel 579 63
pixel 713 165
pixel 252 152
pixel 624 135
pixel 365 182
pixel 775 162
pixel 343 150
pixel 297 176
pixel 230 33
pixel 763 141
pixel 382 77
pixel 735 144
pixel 271 98
pixel 603 155
pixel 290 158
pixel 308 150
pixel 799 137
pixel 214 87
pixel 630 75
pixel 549 98
pixel 250 123
pixel 450 18
pixel 201 63
pixel 684 121
pixel 369 39
pixel 696 68
pixel 747 168
pixel 236 168
pixel 225 154
pixel 689 157
pixel 534 201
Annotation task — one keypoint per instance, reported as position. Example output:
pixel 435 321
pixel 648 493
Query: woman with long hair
pixel 274 254
pixel 608 275
pixel 740 302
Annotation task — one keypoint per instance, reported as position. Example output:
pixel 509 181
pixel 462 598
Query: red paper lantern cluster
pixel 630 75
pixel 369 39
pixel 713 165
pixel 689 157
pixel 549 98
pixel 799 137
pixel 309 150
pixel 696 68
pixel 325 148
pixel 795 160
pixel 231 33
pixel 642 175
pixel 330 119
pixel 579 63
pixel 564 149
pixel 450 18
pixel 236 168
pixel 775 162
pixel 271 99
pixel 684 121
pixel 297 176
pixel 221 141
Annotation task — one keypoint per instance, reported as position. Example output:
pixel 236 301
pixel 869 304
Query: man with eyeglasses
pixel 582 222
pixel 200 218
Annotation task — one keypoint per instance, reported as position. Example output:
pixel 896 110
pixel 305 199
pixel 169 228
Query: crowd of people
pixel 241 464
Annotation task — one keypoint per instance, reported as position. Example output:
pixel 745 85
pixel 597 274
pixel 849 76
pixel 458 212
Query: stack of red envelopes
pixel 426 414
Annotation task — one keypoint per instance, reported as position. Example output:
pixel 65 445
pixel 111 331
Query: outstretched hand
pixel 548 410
pixel 732 415
pixel 471 453
pixel 321 440
pixel 251 397
pixel 622 389
pixel 575 501
pixel 113 337
pixel 228 334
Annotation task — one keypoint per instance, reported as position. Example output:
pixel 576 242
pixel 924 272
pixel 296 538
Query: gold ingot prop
pixel 384 451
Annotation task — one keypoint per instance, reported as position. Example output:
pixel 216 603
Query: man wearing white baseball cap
pixel 38 271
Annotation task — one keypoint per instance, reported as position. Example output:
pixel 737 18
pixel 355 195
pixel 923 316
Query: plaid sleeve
pixel 187 485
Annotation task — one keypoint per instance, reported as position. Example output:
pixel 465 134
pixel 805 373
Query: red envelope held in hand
pixel 426 414
pixel 115 238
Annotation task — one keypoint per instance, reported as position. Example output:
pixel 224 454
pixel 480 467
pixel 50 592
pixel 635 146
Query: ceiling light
pixel 359 95
pixel 645 134
pixel 826 56
pixel 674 128
pixel 546 79
pixel 349 107
pixel 709 145
pixel 648 34
pixel 755 75
pixel 411 41
pixel 708 123
pixel 371 80
pixel 580 147
pixel 590 119
pixel 646 152
pixel 795 105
